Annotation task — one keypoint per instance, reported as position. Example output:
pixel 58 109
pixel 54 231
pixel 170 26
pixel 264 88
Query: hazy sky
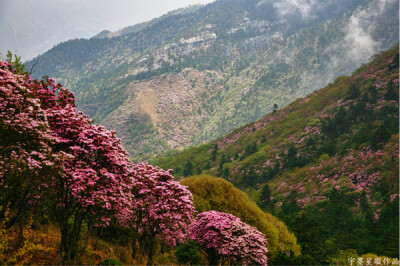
pixel 30 27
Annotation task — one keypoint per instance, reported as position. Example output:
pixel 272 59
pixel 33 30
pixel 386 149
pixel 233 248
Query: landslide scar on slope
pixel 147 101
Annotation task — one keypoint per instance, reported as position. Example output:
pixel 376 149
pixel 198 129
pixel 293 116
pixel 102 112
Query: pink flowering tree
pixel 49 150
pixel 161 211
pixel 225 238
pixel 97 178
pixel 26 158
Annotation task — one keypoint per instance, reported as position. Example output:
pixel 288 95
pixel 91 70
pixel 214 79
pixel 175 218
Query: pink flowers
pixel 98 170
pixel 226 238
pixel 357 170
pixel 161 208
pixel 393 197
pixel 303 202
pixel 26 159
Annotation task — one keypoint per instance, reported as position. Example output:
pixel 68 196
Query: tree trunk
pixel 135 248
pixel 151 250
pixel 70 236
pixel 212 257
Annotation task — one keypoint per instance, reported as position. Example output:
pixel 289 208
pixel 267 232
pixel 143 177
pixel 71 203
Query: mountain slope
pixel 327 164
pixel 242 57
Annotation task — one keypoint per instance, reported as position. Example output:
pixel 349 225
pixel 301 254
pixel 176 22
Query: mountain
pixel 30 28
pixel 197 73
pixel 326 164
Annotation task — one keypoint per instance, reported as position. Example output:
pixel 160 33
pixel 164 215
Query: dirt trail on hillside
pixel 147 100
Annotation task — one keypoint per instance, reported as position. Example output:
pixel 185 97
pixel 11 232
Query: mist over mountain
pixel 195 74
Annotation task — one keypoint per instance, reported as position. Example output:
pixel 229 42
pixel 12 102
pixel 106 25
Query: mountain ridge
pixel 260 55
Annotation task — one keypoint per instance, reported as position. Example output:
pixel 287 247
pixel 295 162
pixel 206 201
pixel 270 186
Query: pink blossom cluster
pixel 26 157
pixel 303 202
pixel 97 172
pixel 227 236
pixel 393 197
pixel 362 180
pixel 378 73
pixel 104 181
pixel 162 207
pixel 358 170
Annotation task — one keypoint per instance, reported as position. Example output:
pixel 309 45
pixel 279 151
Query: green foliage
pixel 343 256
pixel 284 259
pixel 212 193
pixel 140 130
pixel 337 224
pixel 274 108
pixel 110 261
pixel 353 92
pixel 392 92
pixel 188 170
pixel 265 200
pixel 188 253
pixel 16 63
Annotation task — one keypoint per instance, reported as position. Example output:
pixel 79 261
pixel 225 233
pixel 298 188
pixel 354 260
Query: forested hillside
pixel 195 74
pixel 326 164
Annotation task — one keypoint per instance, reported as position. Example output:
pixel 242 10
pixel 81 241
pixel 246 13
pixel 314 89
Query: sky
pixel 31 27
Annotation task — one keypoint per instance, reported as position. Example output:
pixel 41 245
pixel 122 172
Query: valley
pixel 241 132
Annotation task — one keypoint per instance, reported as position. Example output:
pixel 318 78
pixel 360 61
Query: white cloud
pixel 358 44
pixel 289 7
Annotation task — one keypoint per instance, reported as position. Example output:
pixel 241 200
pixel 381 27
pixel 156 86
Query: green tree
pixel 225 173
pixel 353 92
pixel 381 135
pixel 292 160
pixel 188 170
pixel 16 63
pixel 221 165
pixel 265 197
pixel 391 92
pixel 188 253
pixel 214 153
pixel 274 108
